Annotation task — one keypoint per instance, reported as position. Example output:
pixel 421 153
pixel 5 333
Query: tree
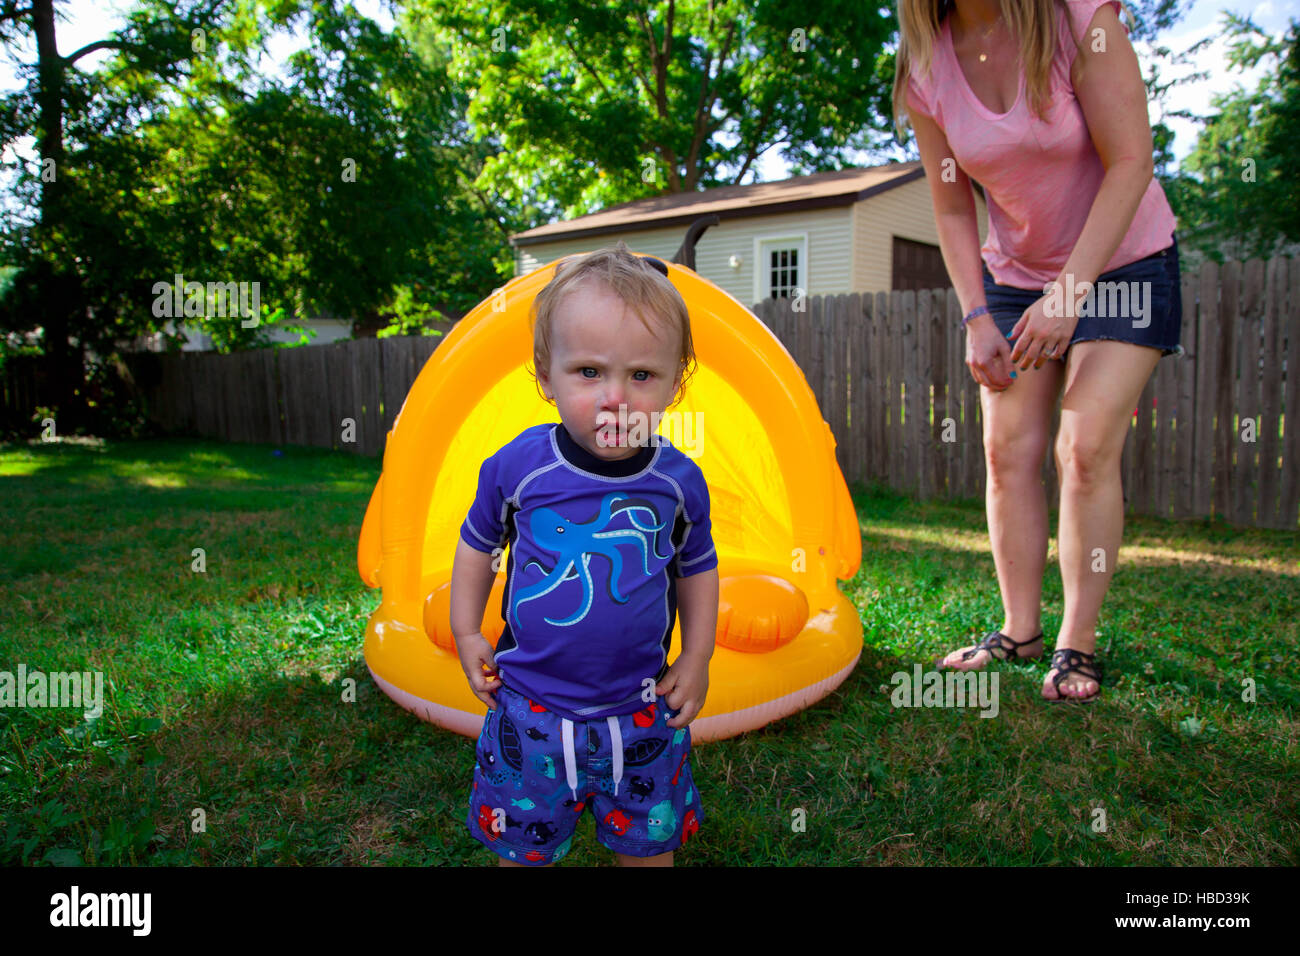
pixel 340 190
pixel 1236 194
pixel 48 286
pixel 597 103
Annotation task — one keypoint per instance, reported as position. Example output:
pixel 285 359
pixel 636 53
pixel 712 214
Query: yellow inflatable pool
pixel 783 522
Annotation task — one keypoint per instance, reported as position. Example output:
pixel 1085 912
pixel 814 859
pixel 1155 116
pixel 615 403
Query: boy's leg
pixel 663 859
pixel 520 805
pixel 651 808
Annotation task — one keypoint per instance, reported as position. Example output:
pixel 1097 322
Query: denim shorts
pixel 1139 303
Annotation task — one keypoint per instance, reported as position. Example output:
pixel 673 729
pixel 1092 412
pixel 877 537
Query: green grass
pixel 223 691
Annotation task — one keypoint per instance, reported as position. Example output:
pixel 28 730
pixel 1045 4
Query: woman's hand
pixel 1039 336
pixel 479 664
pixel 987 354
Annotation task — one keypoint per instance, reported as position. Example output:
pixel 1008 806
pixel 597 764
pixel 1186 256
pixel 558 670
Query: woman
pixel 1042 103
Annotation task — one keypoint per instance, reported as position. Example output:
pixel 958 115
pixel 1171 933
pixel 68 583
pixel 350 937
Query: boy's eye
pixel 585 369
pixel 638 377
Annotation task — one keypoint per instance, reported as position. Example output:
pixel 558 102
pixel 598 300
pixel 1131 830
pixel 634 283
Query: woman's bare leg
pixel 1016 431
pixel 1103 383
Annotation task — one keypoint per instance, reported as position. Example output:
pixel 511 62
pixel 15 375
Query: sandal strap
pixel 1067 661
pixel 996 643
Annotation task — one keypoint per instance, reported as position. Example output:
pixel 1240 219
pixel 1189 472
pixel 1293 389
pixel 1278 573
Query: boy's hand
pixel 684 687
pixel 480 666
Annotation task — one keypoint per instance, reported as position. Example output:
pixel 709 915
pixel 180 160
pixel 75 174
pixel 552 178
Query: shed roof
pixel 816 191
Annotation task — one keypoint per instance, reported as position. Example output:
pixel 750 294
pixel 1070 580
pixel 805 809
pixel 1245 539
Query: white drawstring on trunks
pixel 616 745
pixel 570 770
pixel 570 762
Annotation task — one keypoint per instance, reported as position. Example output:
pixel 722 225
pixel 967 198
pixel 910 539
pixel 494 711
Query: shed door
pixel 918 265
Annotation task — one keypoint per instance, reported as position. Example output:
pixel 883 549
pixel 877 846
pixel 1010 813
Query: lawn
pixel 225 738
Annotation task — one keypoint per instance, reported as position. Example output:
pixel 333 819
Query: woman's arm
pixel 959 241
pixel 1108 84
pixel 955 219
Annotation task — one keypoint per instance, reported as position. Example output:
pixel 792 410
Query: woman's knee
pixel 1012 456
pixel 1086 453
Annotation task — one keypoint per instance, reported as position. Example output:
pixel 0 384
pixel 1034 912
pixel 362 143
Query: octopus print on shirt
pixel 595 549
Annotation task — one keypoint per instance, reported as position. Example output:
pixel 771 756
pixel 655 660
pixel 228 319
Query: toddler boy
pixel 609 538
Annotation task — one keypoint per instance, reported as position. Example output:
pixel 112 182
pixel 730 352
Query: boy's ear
pixel 544 380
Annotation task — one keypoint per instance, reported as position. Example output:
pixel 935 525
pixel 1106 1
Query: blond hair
pixel 642 287
pixel 1035 22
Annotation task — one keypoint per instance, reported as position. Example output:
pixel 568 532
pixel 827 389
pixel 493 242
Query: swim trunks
pixel 536 772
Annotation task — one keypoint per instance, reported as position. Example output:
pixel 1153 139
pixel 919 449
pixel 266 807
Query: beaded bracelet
pixel 978 310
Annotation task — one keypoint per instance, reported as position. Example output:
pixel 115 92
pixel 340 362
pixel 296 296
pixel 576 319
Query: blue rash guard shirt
pixel 595 550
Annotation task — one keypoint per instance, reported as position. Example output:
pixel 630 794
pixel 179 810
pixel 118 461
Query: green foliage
pixel 331 188
pixel 1236 194
pixel 594 104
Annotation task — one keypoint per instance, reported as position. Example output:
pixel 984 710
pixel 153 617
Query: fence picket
pixel 1270 399
pixel 1290 493
pixel 1245 475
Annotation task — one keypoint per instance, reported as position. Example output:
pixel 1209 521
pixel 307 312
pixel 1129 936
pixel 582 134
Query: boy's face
pixel 603 356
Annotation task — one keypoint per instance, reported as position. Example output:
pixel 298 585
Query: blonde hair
pixel 1035 22
pixel 641 286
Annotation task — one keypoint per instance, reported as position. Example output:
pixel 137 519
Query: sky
pixel 89 20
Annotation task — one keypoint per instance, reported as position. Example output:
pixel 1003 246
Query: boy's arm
pixel 697 604
pixel 686 684
pixel 471 583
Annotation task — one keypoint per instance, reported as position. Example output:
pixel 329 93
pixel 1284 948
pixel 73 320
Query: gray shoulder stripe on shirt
pixel 474 531
pixel 685 564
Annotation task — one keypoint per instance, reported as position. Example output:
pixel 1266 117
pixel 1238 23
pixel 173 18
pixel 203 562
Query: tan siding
pixel 655 242
pixel 905 212
pixel 849 248
pixel 828 249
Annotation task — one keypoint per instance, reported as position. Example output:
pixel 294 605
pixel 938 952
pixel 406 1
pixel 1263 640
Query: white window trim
pixel 760 268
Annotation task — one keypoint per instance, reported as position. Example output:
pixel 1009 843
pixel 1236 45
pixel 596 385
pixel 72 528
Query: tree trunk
pixel 59 287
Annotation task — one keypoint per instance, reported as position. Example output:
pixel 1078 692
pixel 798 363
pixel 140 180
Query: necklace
pixel 985 35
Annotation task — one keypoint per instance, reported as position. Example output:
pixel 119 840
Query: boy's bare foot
pixel 996 645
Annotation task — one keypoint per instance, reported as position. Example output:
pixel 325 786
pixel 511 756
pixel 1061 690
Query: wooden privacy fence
pixel 296 396
pixel 889 374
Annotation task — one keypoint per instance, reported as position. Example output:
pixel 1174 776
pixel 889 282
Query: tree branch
pixel 72 58
pixel 704 106
pixel 758 138
pixel 583 63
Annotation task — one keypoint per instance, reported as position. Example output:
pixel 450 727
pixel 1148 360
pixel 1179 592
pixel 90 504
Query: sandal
pixel 1000 647
pixel 1067 661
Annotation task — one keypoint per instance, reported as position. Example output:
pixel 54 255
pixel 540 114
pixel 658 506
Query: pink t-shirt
pixel 1040 178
